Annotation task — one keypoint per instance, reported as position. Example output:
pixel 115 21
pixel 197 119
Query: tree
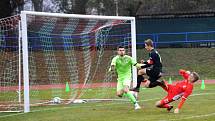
pixel 128 7
pixel 108 7
pixel 7 7
pixel 38 5
pixel 175 6
pixel 79 6
pixel 100 7
pixel 72 6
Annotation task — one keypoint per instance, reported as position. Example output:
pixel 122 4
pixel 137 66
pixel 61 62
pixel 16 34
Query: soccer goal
pixel 10 65
pixel 65 57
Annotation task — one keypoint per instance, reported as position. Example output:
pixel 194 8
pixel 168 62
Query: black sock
pixel 140 78
pixel 162 84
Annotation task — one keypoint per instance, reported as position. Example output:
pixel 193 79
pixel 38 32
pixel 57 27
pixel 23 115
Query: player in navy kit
pixel 152 68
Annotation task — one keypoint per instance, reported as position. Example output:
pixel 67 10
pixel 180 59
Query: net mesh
pixel 9 63
pixel 69 57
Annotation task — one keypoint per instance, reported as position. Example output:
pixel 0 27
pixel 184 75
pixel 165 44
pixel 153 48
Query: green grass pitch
pixel 199 106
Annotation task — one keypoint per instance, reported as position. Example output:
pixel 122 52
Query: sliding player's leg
pixel 164 103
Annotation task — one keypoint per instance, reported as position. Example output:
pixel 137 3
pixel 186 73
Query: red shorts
pixel 171 96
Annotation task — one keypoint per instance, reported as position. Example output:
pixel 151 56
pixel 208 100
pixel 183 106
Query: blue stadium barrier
pixel 158 38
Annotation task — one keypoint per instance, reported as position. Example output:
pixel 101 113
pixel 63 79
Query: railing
pixel 179 37
pixel 203 39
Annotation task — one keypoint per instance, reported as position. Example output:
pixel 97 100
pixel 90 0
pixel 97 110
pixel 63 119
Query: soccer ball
pixel 56 100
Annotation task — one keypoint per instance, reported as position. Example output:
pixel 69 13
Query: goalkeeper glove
pixel 138 65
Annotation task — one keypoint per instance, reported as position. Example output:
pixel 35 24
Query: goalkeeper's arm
pixel 139 65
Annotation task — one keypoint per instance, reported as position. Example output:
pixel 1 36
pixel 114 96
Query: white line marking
pixel 191 117
pixel 60 108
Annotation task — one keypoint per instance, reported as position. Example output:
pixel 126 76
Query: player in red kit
pixel 181 90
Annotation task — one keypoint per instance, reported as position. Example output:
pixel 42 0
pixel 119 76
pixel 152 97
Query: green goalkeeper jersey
pixel 123 66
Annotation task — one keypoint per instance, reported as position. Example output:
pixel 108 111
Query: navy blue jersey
pixel 154 62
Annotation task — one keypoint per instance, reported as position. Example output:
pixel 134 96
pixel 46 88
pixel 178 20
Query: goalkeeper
pixel 122 64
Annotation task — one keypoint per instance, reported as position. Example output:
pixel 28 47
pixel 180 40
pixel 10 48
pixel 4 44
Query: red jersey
pixel 183 88
pixel 180 89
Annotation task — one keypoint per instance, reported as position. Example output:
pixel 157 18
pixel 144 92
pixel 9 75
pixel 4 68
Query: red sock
pixel 165 106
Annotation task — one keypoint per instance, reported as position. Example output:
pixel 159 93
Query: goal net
pixel 67 56
pixel 10 89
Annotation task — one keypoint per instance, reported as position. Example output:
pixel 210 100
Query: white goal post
pixel 27 16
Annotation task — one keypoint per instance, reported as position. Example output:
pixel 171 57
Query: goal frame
pixel 25 43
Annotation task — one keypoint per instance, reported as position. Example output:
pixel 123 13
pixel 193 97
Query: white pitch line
pixel 191 117
pixel 112 104
pixel 201 94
